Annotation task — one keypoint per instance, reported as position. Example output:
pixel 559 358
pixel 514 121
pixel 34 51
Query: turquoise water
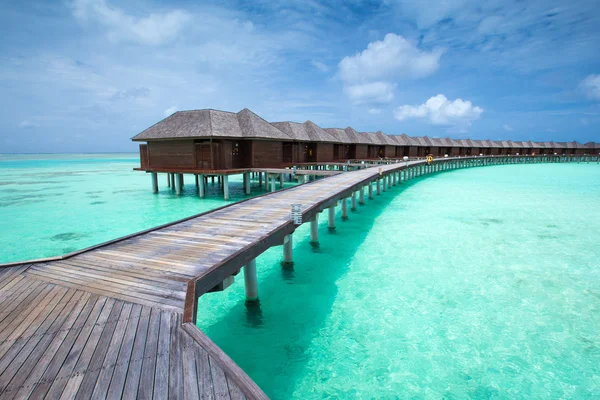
pixel 55 204
pixel 479 283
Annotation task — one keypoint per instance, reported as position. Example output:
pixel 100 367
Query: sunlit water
pixel 479 283
pixel 54 204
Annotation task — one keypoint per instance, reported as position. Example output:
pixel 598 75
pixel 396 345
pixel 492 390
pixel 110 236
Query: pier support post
pixel 370 190
pixel 178 182
pixel 361 198
pixel 173 183
pixel 168 180
pixel 196 178
pixel 395 177
pixel 248 188
pixel 154 182
pixel 273 183
pixel 251 281
pixel 331 220
pixel 281 179
pixel 353 202
pixel 344 209
pixel 378 186
pixel 260 179
pixel 288 259
pixel 314 230
pixel 226 187
pixel 201 187
pixel 385 183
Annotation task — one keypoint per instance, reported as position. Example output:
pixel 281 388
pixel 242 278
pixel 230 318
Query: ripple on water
pixel 482 292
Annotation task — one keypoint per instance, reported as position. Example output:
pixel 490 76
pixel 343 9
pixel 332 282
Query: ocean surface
pixel 479 283
pixel 58 203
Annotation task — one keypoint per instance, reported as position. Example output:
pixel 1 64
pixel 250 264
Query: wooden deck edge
pixel 244 382
pixel 155 228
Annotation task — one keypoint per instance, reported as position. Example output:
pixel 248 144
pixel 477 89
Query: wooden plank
pixel 218 379
pixel 176 359
pixel 92 370
pixel 135 363
pixel 21 349
pixel 55 377
pixel 110 360
pixel 250 389
pixel 146 386
pixel 86 355
pixel 234 391
pixel 204 376
pixel 78 312
pixel 190 383
pixel 161 376
pixel 119 375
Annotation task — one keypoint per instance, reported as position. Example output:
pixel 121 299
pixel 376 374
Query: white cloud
pixel 374 111
pixel 369 76
pixel 438 110
pixel 508 127
pixel 392 57
pixel 373 92
pixel 591 86
pixel 27 124
pixel 153 29
pixel 170 111
pixel 320 66
pixel 584 121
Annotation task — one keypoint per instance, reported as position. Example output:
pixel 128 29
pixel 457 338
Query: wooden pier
pixel 118 319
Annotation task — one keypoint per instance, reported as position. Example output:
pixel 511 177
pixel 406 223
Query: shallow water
pixel 58 203
pixel 479 283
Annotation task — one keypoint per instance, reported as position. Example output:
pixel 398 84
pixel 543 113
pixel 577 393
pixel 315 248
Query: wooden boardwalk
pixel 117 320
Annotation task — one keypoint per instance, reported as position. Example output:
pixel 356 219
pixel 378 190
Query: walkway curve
pixel 119 318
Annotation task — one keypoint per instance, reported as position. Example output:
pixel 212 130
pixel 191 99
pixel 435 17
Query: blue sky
pixel 87 75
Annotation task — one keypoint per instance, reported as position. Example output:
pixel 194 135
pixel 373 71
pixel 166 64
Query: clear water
pixel 479 283
pixel 55 204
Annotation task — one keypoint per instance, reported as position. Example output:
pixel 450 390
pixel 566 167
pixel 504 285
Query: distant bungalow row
pixel 212 140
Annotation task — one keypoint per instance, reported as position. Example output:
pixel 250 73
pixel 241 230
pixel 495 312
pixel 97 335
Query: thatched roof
pixel 357 137
pixel 306 132
pixel 209 123
pixel 366 138
pixel 402 139
pixel 436 142
pixel 340 134
pixel 385 139
pixel 191 124
pixel 253 126
pixel 212 124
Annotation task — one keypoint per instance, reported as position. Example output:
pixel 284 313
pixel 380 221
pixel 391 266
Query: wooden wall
pixel 324 152
pixel 171 154
pixel 266 153
pixel 144 163
pixel 390 151
pixel 413 151
pixel 361 151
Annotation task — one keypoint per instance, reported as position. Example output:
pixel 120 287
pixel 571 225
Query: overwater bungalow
pixel 213 142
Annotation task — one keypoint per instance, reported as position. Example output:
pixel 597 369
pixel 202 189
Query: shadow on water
pixel 271 341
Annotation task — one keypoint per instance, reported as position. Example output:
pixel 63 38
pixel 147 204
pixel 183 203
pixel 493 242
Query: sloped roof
pixel 319 134
pixel 366 137
pixel 358 138
pixel 306 132
pixel 456 143
pixel 195 123
pixel 385 139
pixel 436 142
pixel 253 126
pixel 401 140
pixel 592 145
pixel 560 145
pixel 340 134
